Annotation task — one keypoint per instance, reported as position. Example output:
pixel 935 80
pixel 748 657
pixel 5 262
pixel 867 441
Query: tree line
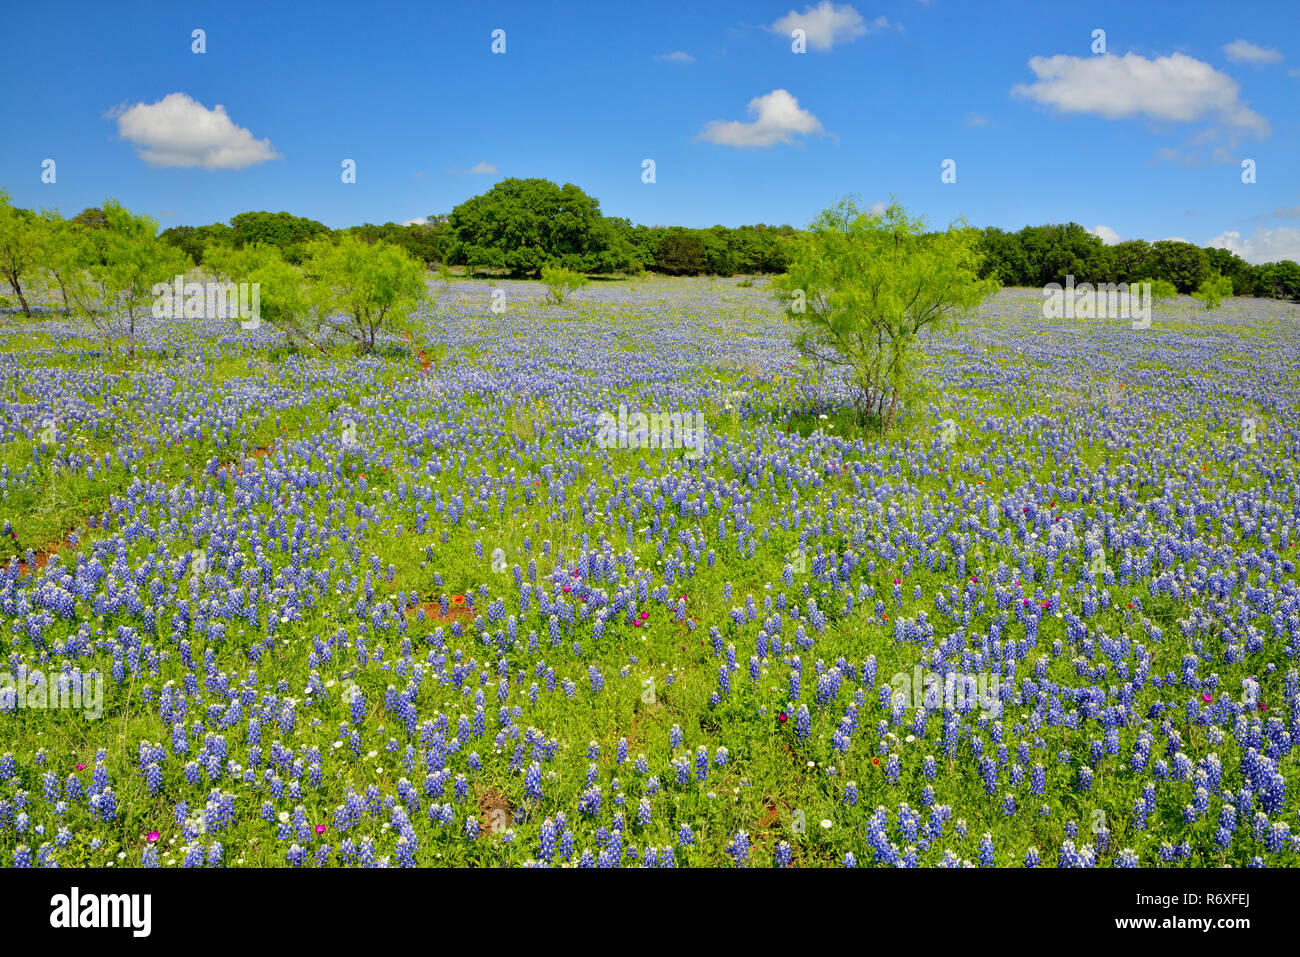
pixel 518 227
pixel 1038 255
pixel 521 226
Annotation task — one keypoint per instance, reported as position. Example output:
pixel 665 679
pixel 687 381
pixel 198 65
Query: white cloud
pixel 827 24
pixel 1243 51
pixel 180 131
pixel 1175 239
pixel 677 56
pixel 878 208
pixel 1107 235
pixel 976 119
pixel 1295 73
pixel 1263 246
pixel 483 168
pixel 1175 88
pixel 1219 153
pixel 777 118
pixel 418 221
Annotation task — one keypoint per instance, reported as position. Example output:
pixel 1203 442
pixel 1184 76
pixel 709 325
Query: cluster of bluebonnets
pixel 356 612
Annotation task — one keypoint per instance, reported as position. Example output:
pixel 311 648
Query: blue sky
pixel 1145 140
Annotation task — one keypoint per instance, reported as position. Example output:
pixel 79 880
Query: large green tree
pixel 290 234
pixel 1133 261
pixel 1058 251
pixel 1281 280
pixel 524 224
pixel 1005 258
pixel 1184 265
pixel 680 252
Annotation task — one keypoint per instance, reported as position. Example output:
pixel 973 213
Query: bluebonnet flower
pixel 738 849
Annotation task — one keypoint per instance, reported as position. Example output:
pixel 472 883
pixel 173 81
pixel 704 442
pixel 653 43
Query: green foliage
pixel 1213 290
pixel 427 241
pixel 361 291
pixel 285 300
pixel 19 245
pixel 1281 280
pixel 92 217
pixel 1160 289
pixel 561 282
pixel 195 240
pixel 1037 255
pixel 718 250
pixel 61 256
pixel 1227 263
pixel 124 261
pixel 862 286
pixel 1056 252
pixel 1184 265
pixel 1132 260
pixel 680 253
pixel 1005 258
pixel 291 234
pixel 521 225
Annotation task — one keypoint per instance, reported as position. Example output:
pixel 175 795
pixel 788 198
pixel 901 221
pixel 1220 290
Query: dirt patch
pixel 770 815
pixel 42 558
pixel 433 612
pixel 495 813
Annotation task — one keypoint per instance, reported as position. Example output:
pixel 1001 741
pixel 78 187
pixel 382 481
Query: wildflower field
pixel 406 610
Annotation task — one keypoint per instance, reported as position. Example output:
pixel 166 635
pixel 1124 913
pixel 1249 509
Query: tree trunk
pixel 18 291
pixel 893 410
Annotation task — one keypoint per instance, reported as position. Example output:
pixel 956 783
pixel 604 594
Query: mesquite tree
pixel 863 286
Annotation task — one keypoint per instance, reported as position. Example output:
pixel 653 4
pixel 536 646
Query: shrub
pixel 1213 291
pixel 561 282
pixel 1161 289
pixel 362 291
